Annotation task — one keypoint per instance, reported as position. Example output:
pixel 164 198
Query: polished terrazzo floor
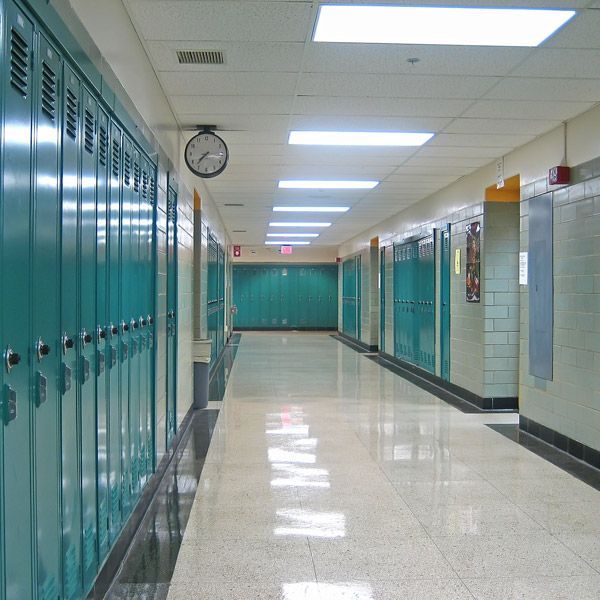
pixel 331 478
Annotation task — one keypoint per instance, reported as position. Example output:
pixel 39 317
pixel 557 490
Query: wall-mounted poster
pixel 473 262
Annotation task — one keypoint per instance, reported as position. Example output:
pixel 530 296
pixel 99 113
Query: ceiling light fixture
pixel 314 209
pixel 299 224
pixel 284 235
pixel 359 138
pixel 287 243
pixel 438 25
pixel 327 184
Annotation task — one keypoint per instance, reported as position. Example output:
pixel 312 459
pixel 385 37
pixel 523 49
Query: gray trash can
pixel 202 350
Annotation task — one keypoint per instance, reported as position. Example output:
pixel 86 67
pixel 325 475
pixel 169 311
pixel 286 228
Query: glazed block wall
pixel 570 404
pixel 501 300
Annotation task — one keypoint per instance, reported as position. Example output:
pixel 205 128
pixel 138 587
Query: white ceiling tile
pixel 233 105
pixel 521 88
pixel 242 20
pixel 239 56
pixel 385 107
pixel 527 109
pixel 446 161
pixel 368 123
pixel 393 59
pixel 580 32
pixel 467 152
pixel 407 86
pixel 229 83
pixel 477 140
pixel 559 63
pixel 506 126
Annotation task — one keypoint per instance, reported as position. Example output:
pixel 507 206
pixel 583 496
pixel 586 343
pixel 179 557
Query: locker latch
pixel 114 329
pixel 11 359
pixel 67 343
pixel 101 361
pixel 113 356
pixel 143 322
pixel 10 404
pixel 134 324
pixel 42 389
pixel 67 377
pixel 100 333
pixel 124 326
pixel 85 369
pixel 124 351
pixel 86 338
pixel 42 349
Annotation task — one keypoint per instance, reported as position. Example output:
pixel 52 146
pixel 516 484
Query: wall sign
pixel 523 268
pixel 287 249
pixel 473 262
pixel 457 262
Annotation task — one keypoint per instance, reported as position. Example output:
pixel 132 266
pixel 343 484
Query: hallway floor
pixel 331 478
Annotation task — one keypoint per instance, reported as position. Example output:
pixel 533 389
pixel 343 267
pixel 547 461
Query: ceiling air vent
pixel 233 204
pixel 200 57
pixel 240 231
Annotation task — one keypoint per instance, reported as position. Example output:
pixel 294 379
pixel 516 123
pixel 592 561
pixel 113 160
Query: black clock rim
pixel 206 175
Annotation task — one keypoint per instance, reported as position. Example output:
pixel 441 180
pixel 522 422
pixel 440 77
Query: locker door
pixel 131 315
pixel 71 450
pixel 86 376
pixel 333 296
pixel 221 323
pixel 292 294
pixel 274 297
pixel 102 332
pixel 358 296
pixel 445 304
pixel 311 297
pixel 126 350
pixel 114 364
pixel 284 297
pixel 382 283
pixel 14 308
pixel 171 314
pixel 45 317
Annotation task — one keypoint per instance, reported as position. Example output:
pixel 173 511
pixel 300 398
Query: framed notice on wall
pixel 473 272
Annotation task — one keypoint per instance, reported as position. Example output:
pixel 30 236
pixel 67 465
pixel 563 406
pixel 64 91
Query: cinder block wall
pixel 570 404
pixel 501 300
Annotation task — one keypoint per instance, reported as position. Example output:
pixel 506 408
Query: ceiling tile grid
pixel 480 102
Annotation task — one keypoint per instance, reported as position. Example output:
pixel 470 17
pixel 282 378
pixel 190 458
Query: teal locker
pixel 131 313
pixel 114 364
pixel 86 376
pixel 382 284
pixel 15 322
pixel 302 296
pixel 127 275
pixel 171 314
pixel 445 266
pixel 102 332
pixel 45 316
pixel 358 296
pixel 284 297
pixel 333 296
pixel 71 448
pixel 274 297
pixel 292 287
pixel 221 324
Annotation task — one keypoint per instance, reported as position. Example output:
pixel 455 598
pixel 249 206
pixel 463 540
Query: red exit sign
pixel 237 251
pixel 286 249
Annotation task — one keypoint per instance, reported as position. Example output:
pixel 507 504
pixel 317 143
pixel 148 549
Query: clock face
pixel 206 154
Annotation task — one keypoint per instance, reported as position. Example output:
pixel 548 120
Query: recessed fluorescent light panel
pixel 287 243
pixel 291 235
pixel 303 224
pixel 438 25
pixel 312 209
pixel 307 184
pixel 358 138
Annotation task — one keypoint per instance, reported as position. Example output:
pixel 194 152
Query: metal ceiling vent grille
pixel 200 57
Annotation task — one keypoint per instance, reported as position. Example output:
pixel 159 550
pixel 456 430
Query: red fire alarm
pixel 286 249
pixel 237 251
pixel 559 175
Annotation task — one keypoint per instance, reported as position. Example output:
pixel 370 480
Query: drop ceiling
pixel 480 102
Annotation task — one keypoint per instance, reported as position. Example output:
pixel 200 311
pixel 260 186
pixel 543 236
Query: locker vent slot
pixel 136 177
pixel 127 169
pixel 103 145
pixel 89 131
pixel 71 117
pixel 48 91
pixel 19 63
pixel 116 157
pixel 151 191
pixel 200 57
pixel 144 185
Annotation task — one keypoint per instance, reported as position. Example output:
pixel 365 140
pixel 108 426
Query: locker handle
pixel 42 349
pixel 144 322
pixel 113 329
pixel 67 343
pixel 12 359
pixel 124 326
pixel 134 323
pixel 86 338
pixel 101 333
pixel 150 320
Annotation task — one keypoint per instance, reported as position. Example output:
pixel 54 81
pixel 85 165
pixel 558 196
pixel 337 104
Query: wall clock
pixel 206 154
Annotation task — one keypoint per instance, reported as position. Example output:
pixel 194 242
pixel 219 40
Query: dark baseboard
pixel 285 328
pixel 560 441
pixel 483 404
pixel 354 342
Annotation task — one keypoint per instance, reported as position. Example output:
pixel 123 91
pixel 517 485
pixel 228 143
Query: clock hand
pixel 203 157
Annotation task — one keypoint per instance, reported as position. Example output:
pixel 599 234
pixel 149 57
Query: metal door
pixel 445 266
pixel 126 348
pixel 18 88
pixel 171 314
pixel 45 343
pixel 71 449
pixel 86 343
pixel 114 335
pixel 102 331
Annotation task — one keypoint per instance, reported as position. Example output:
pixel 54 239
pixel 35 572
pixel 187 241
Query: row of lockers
pixel 216 297
pixel 287 296
pixel 351 296
pixel 77 319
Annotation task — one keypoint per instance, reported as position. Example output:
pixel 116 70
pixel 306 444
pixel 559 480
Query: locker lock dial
pixel 134 324
pixel 86 338
pixel 114 329
pixel 42 349
pixel 150 320
pixel 124 326
pixel 101 333
pixel 12 359
pixel 143 321
pixel 67 343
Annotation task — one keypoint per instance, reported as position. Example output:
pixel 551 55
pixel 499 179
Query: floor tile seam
pixel 579 556
pixel 312 558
